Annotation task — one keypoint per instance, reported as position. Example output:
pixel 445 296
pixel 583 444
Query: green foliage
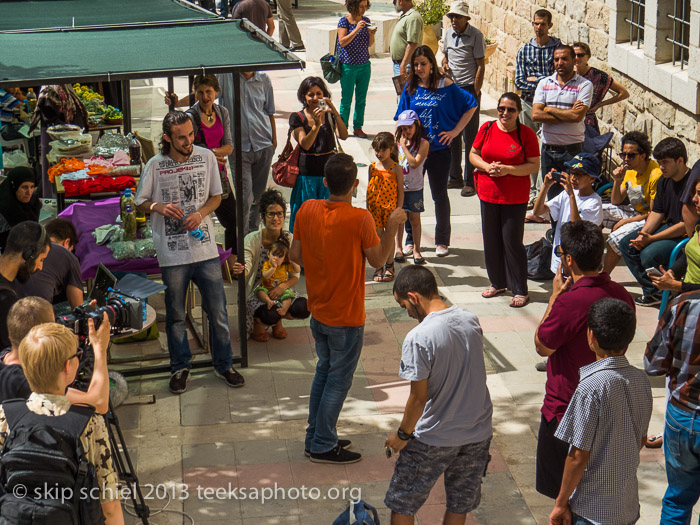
pixel 432 11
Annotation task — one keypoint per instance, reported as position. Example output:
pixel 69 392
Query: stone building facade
pixel 629 39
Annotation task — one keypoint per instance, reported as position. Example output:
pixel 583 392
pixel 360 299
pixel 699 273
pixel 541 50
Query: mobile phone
pixel 388 451
pixel 322 104
pixel 371 26
pixel 558 176
pixel 653 272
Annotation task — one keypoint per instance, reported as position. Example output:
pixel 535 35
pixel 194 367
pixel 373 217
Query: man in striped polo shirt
pixel 560 104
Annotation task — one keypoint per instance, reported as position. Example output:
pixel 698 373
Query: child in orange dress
pixel 277 269
pixel 384 192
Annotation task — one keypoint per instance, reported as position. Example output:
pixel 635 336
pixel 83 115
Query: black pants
pixel 226 213
pixel 437 164
pixel 468 134
pixel 503 226
pixel 269 316
pixel 551 457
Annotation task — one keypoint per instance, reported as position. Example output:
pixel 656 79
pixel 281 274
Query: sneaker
pixel 336 456
pixel 442 251
pixel 178 381
pixel 231 377
pixel 468 191
pixel 648 300
pixel 455 184
pixel 343 443
pixel 541 366
pixel 297 49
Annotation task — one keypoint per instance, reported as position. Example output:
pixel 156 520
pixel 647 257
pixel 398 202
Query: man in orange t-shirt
pixel 332 239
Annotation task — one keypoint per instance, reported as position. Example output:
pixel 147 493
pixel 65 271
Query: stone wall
pixel 509 23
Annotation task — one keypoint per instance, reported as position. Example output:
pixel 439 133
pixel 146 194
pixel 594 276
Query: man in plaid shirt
pixel 674 351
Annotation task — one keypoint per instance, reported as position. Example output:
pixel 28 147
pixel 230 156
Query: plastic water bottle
pixel 197 234
pixel 31 97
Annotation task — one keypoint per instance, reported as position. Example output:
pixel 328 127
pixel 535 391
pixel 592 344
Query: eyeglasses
pixel 624 155
pixel 273 214
pixel 559 252
pixel 581 55
pixel 77 354
pixel 506 109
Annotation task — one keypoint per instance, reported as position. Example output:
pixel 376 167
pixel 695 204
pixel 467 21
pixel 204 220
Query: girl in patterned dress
pixel 384 192
pixel 277 269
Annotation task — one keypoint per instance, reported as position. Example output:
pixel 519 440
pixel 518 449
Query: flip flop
pixel 518 301
pixel 532 218
pixel 492 292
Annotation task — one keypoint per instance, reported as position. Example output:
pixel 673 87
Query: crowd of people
pixel 596 408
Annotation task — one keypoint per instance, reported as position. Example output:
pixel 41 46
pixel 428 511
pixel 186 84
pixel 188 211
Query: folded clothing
pixel 97 185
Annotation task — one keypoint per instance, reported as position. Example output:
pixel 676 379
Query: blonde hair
pixel 44 353
pixel 24 315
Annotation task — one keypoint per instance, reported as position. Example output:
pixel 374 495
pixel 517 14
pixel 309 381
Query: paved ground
pixel 251 438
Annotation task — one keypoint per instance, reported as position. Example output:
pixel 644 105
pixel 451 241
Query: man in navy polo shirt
pixel 562 336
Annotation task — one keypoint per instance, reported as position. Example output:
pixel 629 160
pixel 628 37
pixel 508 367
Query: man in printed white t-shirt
pixel 180 187
pixel 578 202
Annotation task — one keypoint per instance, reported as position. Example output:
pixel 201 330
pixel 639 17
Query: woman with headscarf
pixel 18 202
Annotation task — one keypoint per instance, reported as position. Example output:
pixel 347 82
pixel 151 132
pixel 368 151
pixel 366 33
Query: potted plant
pixel 431 11
pixel 491 46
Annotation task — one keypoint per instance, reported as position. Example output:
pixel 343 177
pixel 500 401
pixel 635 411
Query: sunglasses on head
pixel 506 109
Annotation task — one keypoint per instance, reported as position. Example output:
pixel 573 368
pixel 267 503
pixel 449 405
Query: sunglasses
pixel 559 252
pixel 273 214
pixel 624 155
pixel 453 16
pixel 581 55
pixel 506 109
pixel 78 354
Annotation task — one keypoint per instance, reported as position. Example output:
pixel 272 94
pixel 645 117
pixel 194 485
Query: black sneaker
pixel 337 455
pixel 297 49
pixel 231 377
pixel 648 300
pixel 468 191
pixel 344 443
pixel 178 381
pixel 541 366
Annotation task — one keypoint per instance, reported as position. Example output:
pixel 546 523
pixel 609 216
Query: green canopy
pixel 42 14
pixel 123 53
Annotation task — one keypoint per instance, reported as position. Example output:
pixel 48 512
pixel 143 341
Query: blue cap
pixel 408 117
pixel 585 162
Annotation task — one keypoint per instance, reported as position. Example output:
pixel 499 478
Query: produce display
pixel 112 113
pixel 95 105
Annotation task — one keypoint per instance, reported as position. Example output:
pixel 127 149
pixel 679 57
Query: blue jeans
pixel 338 349
pixel 207 276
pixel 579 520
pixel 682 451
pixel 355 80
pixel 655 254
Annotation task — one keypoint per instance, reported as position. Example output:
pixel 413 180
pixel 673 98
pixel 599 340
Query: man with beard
pixel 180 187
pixel 27 247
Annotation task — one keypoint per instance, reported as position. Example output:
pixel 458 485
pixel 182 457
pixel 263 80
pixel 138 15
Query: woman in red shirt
pixel 504 154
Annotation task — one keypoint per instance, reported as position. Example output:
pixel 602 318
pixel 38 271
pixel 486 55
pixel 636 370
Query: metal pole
pixel 126 105
pixel 171 89
pixel 241 221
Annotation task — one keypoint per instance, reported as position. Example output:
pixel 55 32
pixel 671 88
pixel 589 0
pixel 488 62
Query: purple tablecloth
pixel 87 216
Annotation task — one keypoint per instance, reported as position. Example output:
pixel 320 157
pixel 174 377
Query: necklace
pixel 210 116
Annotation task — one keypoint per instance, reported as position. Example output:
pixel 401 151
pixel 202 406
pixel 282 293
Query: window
pixel 680 36
pixel 636 22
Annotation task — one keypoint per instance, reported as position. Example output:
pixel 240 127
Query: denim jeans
pixel 466 139
pixel 338 349
pixel 207 276
pixel 682 451
pixel 655 254
pixel 437 164
pixel 579 520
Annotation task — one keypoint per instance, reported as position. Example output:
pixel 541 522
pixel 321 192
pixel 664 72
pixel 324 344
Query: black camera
pixel 123 312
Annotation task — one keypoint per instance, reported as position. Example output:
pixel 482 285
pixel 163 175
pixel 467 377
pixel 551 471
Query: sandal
pixel 378 275
pixel 399 257
pixel 532 218
pixel 388 273
pixel 518 301
pixel 278 331
pixel 492 292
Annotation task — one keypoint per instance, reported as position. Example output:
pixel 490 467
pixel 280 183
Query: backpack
pixel 45 477
pixel 358 513
pixel 539 259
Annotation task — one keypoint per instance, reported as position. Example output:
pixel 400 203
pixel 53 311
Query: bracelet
pixel 403 436
pixel 200 216
pixel 153 205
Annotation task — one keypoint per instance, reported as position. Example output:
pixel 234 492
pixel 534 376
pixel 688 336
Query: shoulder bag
pixel 330 65
pixel 286 170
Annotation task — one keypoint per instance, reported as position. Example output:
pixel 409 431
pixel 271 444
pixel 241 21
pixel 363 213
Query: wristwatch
pixel 403 436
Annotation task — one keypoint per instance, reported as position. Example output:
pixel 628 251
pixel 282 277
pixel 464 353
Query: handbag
pixel 331 66
pixel 286 170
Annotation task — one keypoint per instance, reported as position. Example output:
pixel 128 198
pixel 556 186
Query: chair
pixel 665 296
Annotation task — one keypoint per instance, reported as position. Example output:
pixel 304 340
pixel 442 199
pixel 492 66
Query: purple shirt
pixel 566 331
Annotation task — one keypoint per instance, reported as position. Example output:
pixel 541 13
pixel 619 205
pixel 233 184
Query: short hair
pixel 44 353
pixel 172 118
pixel 27 235
pixel 639 139
pixel 270 197
pixel 307 84
pixel 62 229
pixel 417 279
pixel 353 6
pixel 613 323
pixel 207 80
pixel 340 172
pixel 584 241
pixel 543 13
pixel 569 48
pixel 24 315
pixel 671 148
pixel 586 48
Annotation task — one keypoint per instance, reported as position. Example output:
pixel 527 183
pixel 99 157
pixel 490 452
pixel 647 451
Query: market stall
pixel 126 49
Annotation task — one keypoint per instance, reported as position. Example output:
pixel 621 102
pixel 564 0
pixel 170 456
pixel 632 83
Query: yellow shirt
pixel 641 189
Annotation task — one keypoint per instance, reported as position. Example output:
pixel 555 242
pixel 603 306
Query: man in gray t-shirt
pixel 180 188
pixel 446 426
